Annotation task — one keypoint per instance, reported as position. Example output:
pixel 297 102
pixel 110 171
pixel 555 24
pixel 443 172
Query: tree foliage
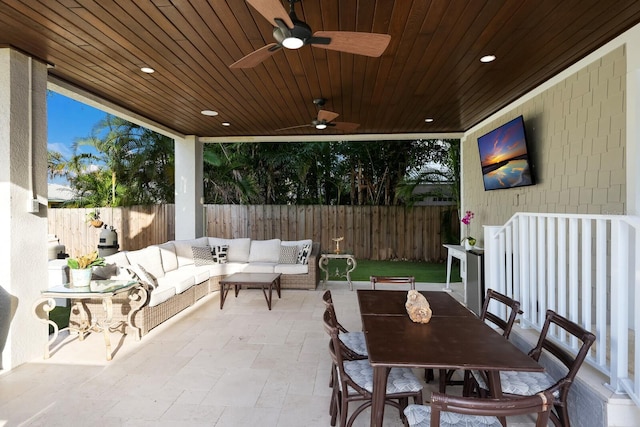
pixel 357 173
pixel 130 165
pixel 127 165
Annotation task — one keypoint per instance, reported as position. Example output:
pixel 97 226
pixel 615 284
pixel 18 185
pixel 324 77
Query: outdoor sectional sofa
pixel 180 272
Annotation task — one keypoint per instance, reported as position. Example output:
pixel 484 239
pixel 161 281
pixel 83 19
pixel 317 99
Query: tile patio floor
pixel 240 366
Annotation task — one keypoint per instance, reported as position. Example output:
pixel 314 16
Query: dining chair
pixel 353 343
pixel 354 382
pixel 410 280
pixel 529 383
pixel 352 346
pixel 512 308
pixel 455 411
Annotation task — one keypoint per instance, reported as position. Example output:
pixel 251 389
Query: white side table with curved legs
pixel 323 263
pixel 102 289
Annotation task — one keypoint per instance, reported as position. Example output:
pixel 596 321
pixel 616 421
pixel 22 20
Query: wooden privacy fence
pixel 369 232
pixel 137 227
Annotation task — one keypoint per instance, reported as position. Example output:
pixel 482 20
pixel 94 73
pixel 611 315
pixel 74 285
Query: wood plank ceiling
pixel 430 69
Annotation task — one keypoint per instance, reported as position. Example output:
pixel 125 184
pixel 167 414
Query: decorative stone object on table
pixel 418 307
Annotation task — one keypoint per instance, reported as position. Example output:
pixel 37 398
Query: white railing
pixel 584 267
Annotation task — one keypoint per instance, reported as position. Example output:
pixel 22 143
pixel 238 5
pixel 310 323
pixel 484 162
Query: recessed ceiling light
pixel 428 120
pixel 226 124
pixel 209 113
pixel 147 70
pixel 488 58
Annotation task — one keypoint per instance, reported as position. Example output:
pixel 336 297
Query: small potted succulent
pixel 80 268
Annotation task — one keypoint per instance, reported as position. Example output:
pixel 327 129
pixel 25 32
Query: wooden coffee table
pixel 250 280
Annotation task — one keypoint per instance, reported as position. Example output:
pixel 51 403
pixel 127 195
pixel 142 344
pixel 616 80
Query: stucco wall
pixel 23 177
pixel 576 135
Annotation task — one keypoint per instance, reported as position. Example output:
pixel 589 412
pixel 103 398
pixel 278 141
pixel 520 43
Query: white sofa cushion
pixel 181 279
pixel 168 255
pixel 291 268
pixel 298 243
pixel 119 258
pixel 265 251
pixel 226 269
pixel 161 294
pixel 259 267
pixel 200 274
pixel 149 258
pixel 183 249
pixel 238 248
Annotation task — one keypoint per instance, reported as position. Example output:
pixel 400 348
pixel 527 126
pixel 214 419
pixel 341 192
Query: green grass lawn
pixel 422 271
pixel 60 316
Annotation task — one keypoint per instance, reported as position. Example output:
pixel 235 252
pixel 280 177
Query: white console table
pixel 459 252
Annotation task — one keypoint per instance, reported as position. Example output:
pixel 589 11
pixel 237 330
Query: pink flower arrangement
pixel 467 218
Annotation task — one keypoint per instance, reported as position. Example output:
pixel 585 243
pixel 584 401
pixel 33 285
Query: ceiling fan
pixel 326 119
pixel 292 33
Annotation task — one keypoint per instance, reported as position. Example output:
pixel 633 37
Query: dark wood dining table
pixel 455 338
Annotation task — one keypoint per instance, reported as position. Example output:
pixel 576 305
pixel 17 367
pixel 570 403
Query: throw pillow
pixel 303 254
pixel 104 272
pixel 288 254
pixel 202 255
pixel 145 277
pixel 220 254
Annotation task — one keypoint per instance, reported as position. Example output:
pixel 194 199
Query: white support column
pixel 23 222
pixel 188 188
pixel 633 122
pixel 632 51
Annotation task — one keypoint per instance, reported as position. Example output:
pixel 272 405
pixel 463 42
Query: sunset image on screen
pixel 504 157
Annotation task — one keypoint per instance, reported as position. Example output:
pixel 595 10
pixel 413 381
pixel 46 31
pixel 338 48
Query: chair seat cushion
pixel 401 380
pixel 354 341
pixel 520 383
pixel 420 416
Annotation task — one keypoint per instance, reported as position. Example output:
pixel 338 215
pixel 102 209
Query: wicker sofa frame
pixel 150 317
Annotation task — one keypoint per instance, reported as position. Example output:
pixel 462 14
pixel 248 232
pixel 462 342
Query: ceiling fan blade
pixel 346 126
pixel 272 9
pixel 293 127
pixel 318 40
pixel 368 44
pixel 256 57
pixel 327 116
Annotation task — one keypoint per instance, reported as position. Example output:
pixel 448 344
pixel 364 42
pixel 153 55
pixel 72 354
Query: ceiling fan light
pixel 292 43
pixel 321 126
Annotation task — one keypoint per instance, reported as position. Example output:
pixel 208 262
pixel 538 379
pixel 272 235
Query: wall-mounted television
pixel 504 157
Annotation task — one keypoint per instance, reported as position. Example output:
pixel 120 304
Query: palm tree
pixel 226 178
pixel 129 165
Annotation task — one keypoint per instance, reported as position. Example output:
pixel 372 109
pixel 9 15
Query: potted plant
pixel 469 242
pixel 80 268
pixel 93 218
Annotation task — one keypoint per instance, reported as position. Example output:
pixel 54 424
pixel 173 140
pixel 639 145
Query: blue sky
pixel 67 121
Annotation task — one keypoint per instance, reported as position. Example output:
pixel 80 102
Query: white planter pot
pixel 80 278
